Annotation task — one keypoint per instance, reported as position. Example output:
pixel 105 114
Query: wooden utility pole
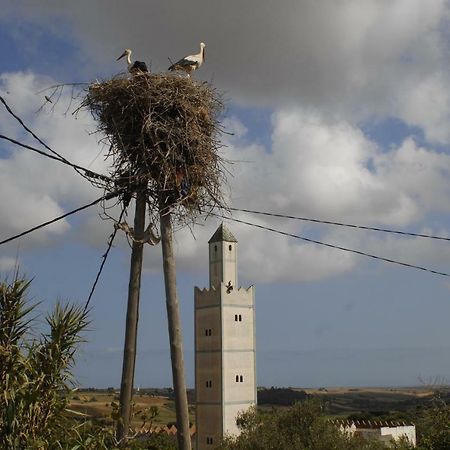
pixel 134 287
pixel 175 336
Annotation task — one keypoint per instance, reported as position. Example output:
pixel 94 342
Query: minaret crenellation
pixel 225 370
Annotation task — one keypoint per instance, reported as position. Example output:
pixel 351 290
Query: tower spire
pixel 222 258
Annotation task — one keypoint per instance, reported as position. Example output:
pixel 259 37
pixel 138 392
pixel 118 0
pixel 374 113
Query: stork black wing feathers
pixel 183 62
pixel 139 66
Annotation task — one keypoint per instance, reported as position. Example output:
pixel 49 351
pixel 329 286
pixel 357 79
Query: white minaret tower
pixel 225 365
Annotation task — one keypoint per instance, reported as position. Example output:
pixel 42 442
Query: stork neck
pixel 129 59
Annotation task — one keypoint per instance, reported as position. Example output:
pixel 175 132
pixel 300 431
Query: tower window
pixel 207 331
pixel 235 317
pixel 237 378
pixel 240 318
pixel 209 440
pixel 241 379
pixel 230 247
pixel 215 248
pixel 209 384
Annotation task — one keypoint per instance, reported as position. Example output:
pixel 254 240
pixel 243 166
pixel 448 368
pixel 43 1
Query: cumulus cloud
pixel 324 169
pixel 353 59
pixel 316 166
pixel 36 189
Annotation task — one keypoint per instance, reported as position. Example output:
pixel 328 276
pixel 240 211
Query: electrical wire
pixel 327 222
pixel 56 219
pixel 337 247
pixel 104 257
pixel 88 173
pixel 10 111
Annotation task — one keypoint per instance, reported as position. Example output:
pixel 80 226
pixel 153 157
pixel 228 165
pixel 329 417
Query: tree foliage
pixel 433 426
pixel 301 427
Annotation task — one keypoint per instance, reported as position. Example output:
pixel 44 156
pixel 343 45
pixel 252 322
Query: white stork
pixel 191 62
pixel 137 66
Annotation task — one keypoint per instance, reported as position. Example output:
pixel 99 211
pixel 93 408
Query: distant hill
pixel 280 396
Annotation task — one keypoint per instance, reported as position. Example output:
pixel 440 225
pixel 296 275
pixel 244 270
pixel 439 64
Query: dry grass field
pixel 407 391
pixel 341 401
pixel 98 405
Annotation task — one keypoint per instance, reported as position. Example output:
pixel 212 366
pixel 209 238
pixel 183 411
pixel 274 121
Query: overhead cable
pixel 56 219
pixel 88 173
pixel 327 222
pixel 104 257
pixel 337 247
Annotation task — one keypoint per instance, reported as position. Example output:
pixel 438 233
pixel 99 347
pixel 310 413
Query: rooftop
pixel 222 234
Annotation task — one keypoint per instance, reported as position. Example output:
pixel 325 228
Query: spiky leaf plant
pixel 35 373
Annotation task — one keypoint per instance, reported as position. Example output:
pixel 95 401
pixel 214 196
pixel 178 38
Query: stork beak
pixel 121 56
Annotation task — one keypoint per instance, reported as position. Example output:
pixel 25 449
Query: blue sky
pixel 339 111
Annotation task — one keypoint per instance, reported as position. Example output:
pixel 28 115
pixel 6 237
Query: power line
pixel 88 172
pixel 327 222
pixel 57 157
pixel 337 247
pixel 104 257
pixel 29 130
pixel 56 219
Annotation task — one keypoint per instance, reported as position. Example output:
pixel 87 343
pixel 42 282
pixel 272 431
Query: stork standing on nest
pixel 137 66
pixel 191 62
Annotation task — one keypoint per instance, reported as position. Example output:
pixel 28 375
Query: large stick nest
pixel 163 131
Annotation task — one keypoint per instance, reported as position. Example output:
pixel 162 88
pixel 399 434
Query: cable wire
pixel 56 219
pixel 57 157
pixel 104 257
pixel 88 172
pixel 348 225
pixel 337 247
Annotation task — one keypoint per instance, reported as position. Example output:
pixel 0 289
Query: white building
pixel 380 431
pixel 225 365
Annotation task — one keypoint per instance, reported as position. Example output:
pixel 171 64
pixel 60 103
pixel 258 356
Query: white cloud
pixel 34 188
pixel 355 59
pixel 325 169
pixel 316 167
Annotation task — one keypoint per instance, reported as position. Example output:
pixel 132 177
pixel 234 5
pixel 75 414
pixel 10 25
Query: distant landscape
pixel 373 403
